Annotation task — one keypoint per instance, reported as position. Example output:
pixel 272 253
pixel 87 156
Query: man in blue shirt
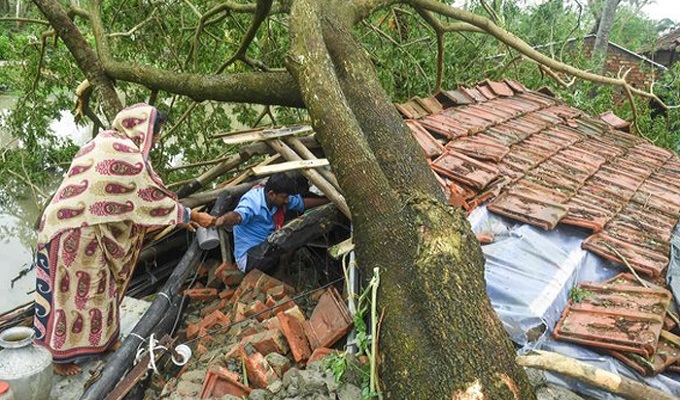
pixel 259 213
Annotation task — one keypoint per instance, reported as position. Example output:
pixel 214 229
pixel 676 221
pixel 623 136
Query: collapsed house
pixel 565 203
pixel 549 182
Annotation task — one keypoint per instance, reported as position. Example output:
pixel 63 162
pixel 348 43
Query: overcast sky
pixel 661 9
pixel 658 9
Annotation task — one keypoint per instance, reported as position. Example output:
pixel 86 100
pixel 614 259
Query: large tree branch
pixel 261 12
pixel 82 53
pixel 379 120
pixel 518 44
pixel 269 88
pixel 348 150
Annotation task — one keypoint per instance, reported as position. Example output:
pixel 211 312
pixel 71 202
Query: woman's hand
pixel 202 219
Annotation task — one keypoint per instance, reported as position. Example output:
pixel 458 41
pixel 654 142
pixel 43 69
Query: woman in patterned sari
pixel 91 233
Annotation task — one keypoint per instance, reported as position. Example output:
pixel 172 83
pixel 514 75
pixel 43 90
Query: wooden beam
pixel 341 248
pixel 300 148
pixel 262 135
pixel 289 166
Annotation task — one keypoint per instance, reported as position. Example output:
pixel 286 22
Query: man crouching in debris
pixel 260 212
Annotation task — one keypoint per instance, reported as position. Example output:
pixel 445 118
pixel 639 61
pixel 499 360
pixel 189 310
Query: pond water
pixel 17 236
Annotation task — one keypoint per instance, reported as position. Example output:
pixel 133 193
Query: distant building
pixel 665 49
pixel 643 71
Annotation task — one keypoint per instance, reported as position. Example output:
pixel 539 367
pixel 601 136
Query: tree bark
pixel 440 336
pixel 603 29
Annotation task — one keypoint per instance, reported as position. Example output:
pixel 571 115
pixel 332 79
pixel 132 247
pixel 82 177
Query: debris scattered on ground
pixel 252 337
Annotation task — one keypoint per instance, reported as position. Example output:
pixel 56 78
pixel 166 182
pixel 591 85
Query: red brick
pixel 200 350
pixel 205 337
pixel 201 294
pixel 220 381
pixel 192 330
pixel 272 323
pixel 260 373
pixel 202 270
pixel 213 321
pixel 249 330
pixel 286 303
pixel 321 353
pixel 292 328
pixel 248 283
pixel 257 308
pixel 270 341
pixel 277 292
pixel 232 278
pixel 236 352
pixel 239 312
pixel 226 294
pixel 217 305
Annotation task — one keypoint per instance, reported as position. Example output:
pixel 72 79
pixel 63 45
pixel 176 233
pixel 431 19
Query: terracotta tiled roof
pixel 541 161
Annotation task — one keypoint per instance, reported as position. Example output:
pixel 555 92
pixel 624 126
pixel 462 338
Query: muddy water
pixel 17 237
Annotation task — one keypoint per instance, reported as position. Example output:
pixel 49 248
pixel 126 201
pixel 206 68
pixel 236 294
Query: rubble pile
pixel 252 338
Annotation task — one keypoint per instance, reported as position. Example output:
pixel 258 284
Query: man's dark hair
pixel 161 117
pixel 280 183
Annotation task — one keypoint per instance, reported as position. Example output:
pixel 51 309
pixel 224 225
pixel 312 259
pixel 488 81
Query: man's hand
pixel 229 219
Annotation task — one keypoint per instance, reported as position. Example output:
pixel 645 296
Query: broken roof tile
pixel 481 147
pixel 486 91
pixel 441 124
pixel 465 169
pixel 640 259
pixel 473 94
pixel 458 97
pixel 500 88
pixel 516 86
pixel 430 104
pixel 533 210
pixel 544 162
pixel 429 144
pixel 411 110
pixel 617 317
pixel 613 120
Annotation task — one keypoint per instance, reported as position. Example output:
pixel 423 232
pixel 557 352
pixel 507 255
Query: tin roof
pixel 543 162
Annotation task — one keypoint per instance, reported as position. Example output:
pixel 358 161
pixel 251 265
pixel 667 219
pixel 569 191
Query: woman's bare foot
pixel 66 369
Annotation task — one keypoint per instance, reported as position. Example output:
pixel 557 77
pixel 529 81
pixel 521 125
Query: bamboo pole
pixel 609 381
pixel 303 151
pixel 313 175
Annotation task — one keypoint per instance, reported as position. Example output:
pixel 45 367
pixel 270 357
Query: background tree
pixel 338 64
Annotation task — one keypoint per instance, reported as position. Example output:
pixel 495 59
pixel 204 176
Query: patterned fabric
pixel 110 180
pixel 91 234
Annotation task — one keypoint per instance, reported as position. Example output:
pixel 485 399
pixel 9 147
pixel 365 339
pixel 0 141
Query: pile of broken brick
pixel 627 318
pixel 251 338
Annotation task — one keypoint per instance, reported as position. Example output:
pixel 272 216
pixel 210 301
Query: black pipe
pixel 120 361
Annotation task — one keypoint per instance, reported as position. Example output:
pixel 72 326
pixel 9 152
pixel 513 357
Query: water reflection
pixel 17 236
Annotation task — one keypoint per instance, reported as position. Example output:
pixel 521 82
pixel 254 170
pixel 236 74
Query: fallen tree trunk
pixel 611 382
pixel 211 195
pixel 302 230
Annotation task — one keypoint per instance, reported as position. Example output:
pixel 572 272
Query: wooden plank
pixel 289 166
pixel 265 134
